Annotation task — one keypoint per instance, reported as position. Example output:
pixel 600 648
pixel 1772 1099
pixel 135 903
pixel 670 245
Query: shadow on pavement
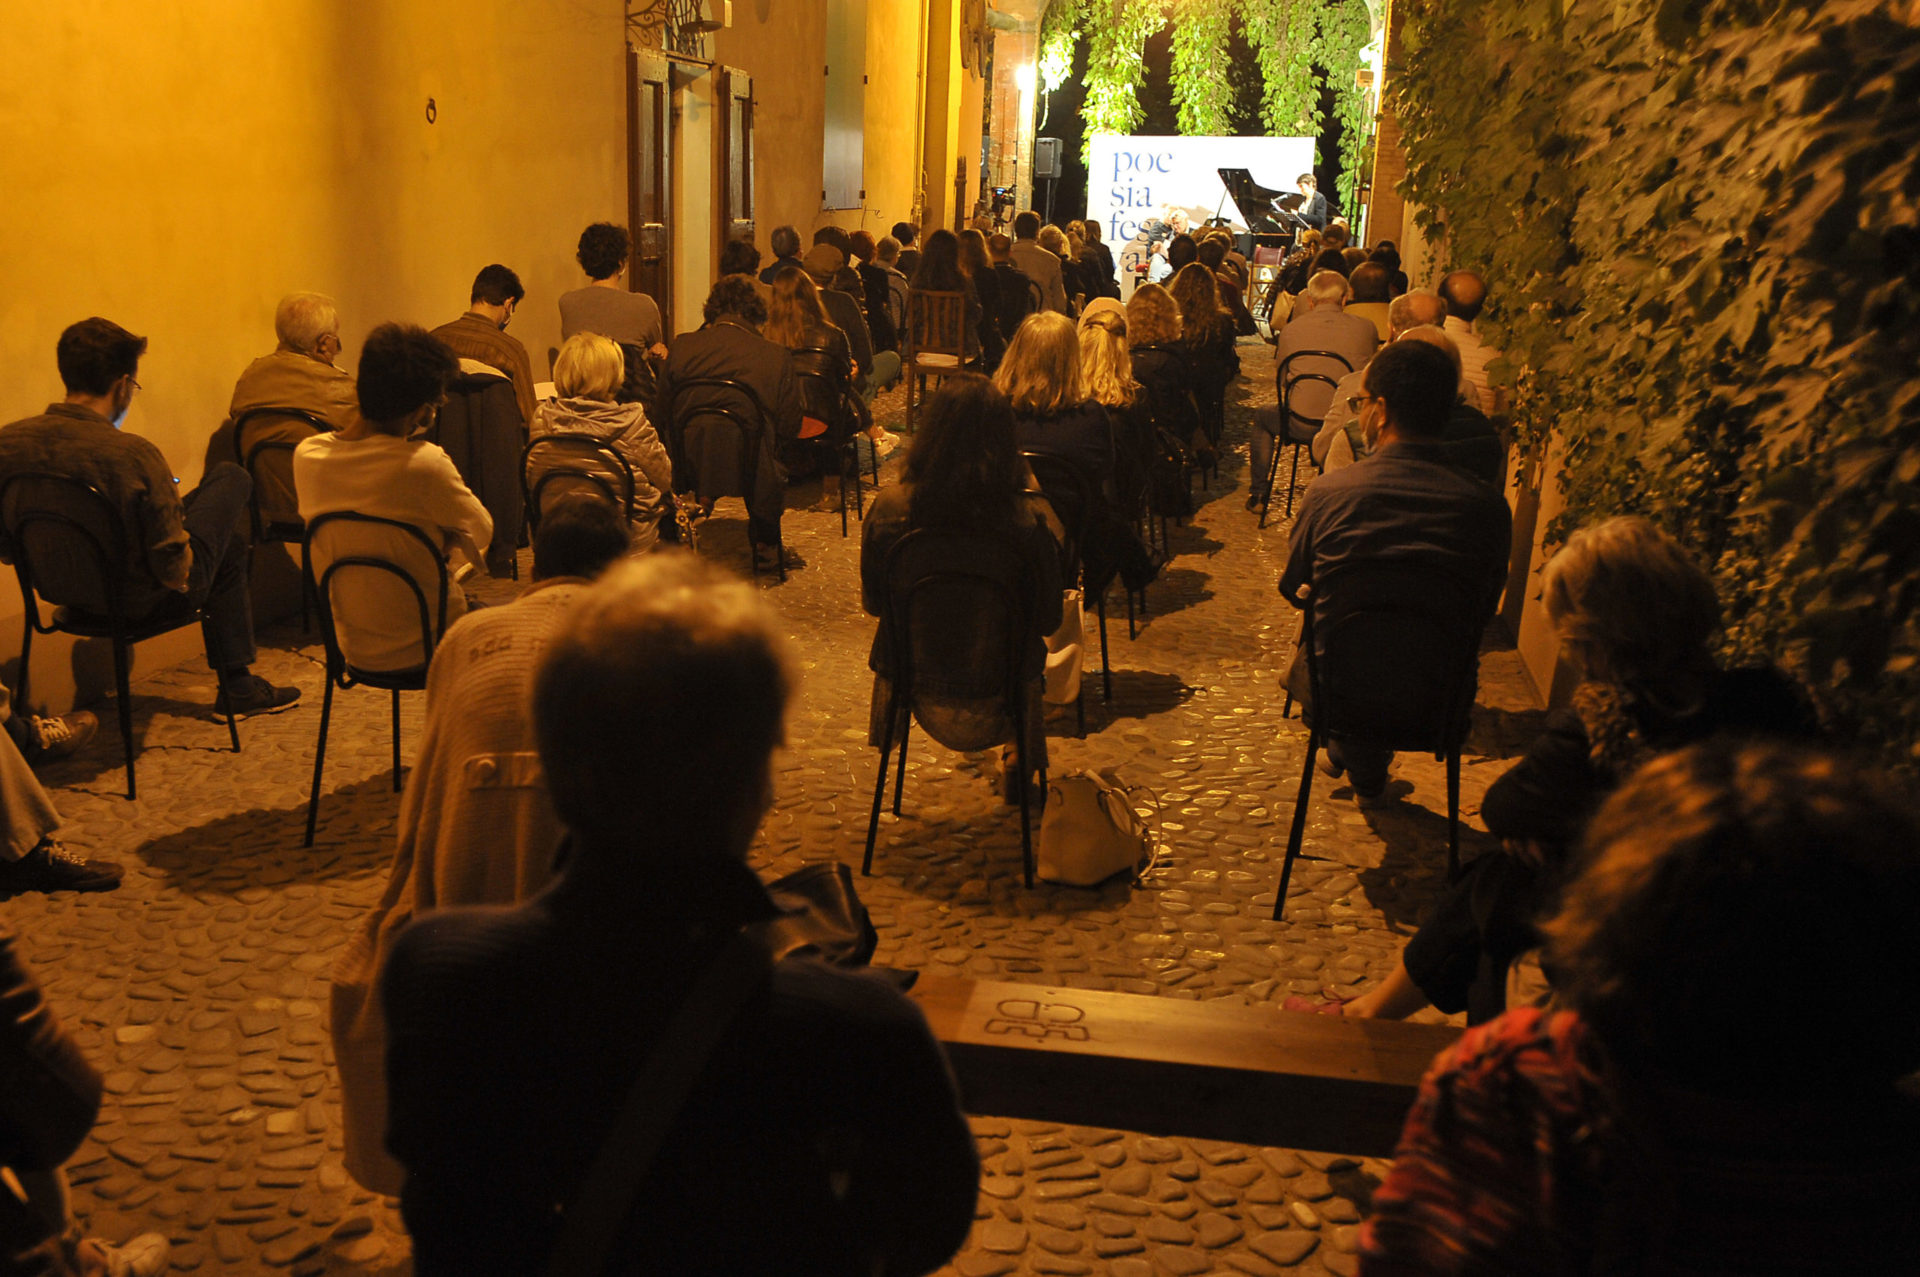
pixel 262 848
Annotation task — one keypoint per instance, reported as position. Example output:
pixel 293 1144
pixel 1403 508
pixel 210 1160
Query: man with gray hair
pixel 814 1115
pixel 1406 312
pixel 1320 326
pixel 298 376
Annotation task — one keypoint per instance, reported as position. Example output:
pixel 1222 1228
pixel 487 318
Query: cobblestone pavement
pixel 199 988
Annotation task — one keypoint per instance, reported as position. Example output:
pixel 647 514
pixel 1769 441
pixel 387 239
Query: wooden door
pixel 649 178
pixel 736 146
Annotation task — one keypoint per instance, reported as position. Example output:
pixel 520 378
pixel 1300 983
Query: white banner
pixel 1133 179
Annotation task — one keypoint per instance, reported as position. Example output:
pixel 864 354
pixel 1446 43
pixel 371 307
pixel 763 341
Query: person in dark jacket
pixel 821 1134
pixel 1019 296
pixel 977 266
pixel 876 295
pixel 1207 334
pixel 1635 616
pixel 939 271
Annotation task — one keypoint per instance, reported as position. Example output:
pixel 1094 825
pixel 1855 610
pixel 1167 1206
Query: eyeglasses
pixel 1356 402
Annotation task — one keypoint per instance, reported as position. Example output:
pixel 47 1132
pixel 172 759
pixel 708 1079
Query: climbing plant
pixel 1059 31
pixel 1281 33
pixel 1116 64
pixel 1700 222
pixel 1345 27
pixel 1201 89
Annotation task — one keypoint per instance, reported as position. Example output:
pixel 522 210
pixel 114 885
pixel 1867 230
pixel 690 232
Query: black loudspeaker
pixel 1046 157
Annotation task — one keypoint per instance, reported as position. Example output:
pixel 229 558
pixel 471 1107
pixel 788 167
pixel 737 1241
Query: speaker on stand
pixel 1046 163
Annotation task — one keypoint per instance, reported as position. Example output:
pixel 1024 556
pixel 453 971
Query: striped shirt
pixel 475 337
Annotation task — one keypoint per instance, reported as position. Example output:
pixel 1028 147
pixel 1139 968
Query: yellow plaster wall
pixel 179 167
pixel 895 31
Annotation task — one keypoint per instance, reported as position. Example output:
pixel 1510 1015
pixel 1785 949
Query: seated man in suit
pixel 1407 505
pixel 1039 265
pixel 820 1124
pixel 481 333
pixel 729 346
pixel 299 374
pixel 182 546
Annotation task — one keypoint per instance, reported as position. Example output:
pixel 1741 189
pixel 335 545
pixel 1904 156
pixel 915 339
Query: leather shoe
pixel 51 867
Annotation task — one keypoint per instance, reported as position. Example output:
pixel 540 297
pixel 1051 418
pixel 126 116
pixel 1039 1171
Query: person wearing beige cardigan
pixel 476 824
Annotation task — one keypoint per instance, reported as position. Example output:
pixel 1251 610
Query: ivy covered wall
pixel 1700 223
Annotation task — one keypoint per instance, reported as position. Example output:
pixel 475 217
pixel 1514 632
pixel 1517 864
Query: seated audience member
pixel 1465 294
pixel 940 273
pixel 1319 323
pixel 1337 235
pixel 964 474
pixel 1407 505
pixel 1331 259
pixel 1052 412
pixel 1298 267
pixel 740 257
pixel 376 467
pixel 1054 240
pixel 587 376
pixel 1388 256
pixel 1037 264
pixel 1405 313
pixel 481 333
pixel 1212 254
pixel 1019 296
pixel 605 306
pixel 886 256
pixel 476 824
pixel 798 321
pixel 1107 368
pixel 1472 443
pixel 785 242
pixel 1096 261
pixel 1369 287
pixel 1636 618
pixel 824 264
pixel 874 293
pixel 977 265
pixel 906 235
pixel 1207 334
pixel 729 345
pixel 1161 364
pixel 822 1126
pixel 1356 258
pixel 299 374
pixel 32 859
pixel 1673 1116
pixel 1182 252
pixel 49 1104
pixel 1314 210
pixel 187 545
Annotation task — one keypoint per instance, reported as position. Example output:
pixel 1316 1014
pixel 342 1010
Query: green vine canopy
pixel 1290 39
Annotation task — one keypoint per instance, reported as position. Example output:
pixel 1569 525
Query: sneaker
pixel 253 695
pixel 51 867
pixel 884 445
pixel 51 738
pixel 144 1256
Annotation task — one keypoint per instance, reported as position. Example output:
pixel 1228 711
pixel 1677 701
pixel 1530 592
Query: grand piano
pixel 1268 224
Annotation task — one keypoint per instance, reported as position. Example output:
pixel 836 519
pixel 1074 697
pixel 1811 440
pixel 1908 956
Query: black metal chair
pixel 939 584
pixel 750 420
pixel 269 463
pixel 1392 660
pixel 1071 493
pixel 566 464
pixel 70 547
pixel 1299 428
pixel 375 563
pixel 825 391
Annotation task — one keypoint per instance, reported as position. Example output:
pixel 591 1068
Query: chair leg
pixel 396 740
pixel 1020 792
pixel 124 694
pixel 1106 665
pixel 1132 632
pixel 319 758
pixel 900 778
pixel 1080 708
pixel 843 490
pixel 1286 708
pixel 233 729
pixel 20 702
pixel 1273 472
pixel 1453 815
pixel 1294 480
pixel 1299 829
pixel 879 793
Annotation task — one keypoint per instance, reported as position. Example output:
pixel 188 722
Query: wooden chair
pixel 70 547
pixel 372 563
pixel 1297 428
pixel 1399 671
pixel 938 582
pixel 269 463
pixel 935 343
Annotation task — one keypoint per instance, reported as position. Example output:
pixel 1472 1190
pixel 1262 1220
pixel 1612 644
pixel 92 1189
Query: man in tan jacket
pixel 300 375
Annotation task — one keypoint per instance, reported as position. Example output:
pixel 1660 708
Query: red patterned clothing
pixel 1518 1158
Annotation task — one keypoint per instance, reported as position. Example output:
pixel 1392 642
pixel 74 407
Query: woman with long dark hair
pixel 1208 334
pixel 964 474
pixel 939 271
pixel 797 319
pixel 977 266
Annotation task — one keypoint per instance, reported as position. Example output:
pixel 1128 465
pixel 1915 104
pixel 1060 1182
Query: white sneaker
pixel 884 445
pixel 144 1256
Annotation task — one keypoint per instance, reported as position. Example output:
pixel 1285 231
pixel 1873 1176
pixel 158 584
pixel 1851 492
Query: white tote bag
pixel 1065 652
pixel 1092 830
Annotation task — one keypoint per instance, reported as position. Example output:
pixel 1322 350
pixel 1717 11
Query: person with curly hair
pixel 606 306
pixel 1681 1111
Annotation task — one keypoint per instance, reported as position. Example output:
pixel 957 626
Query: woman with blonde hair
pixel 1719 1088
pixel 1635 616
pixel 587 374
pixel 1107 369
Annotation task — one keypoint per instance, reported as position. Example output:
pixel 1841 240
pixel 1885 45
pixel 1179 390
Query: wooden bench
pixel 1167 1066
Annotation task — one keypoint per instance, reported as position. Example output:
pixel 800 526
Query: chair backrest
pixel 824 389
pixel 936 324
pixel 1393 653
pixel 1293 375
pixel 559 465
pixel 264 439
pixel 897 290
pixel 956 613
pixel 746 414
pixel 1070 491
pixel 68 542
pixel 382 586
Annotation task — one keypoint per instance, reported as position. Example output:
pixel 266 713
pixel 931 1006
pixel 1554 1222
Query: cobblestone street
pixel 200 987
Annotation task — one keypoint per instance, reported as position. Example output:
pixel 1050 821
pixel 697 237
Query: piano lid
pixel 1254 201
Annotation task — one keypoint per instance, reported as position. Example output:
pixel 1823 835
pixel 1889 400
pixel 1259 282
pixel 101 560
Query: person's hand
pixel 658 350
pixel 1527 850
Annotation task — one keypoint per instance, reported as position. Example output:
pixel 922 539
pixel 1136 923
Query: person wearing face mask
pixel 481 333
pixel 1408 504
pixel 184 545
pixel 299 374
